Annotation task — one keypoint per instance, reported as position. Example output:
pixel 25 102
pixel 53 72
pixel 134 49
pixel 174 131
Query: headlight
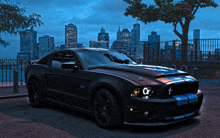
pixel 136 92
pixel 146 91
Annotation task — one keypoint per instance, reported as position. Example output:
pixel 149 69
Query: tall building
pixel 126 37
pixel 153 39
pixel 70 36
pixel 46 45
pixel 28 43
pixel 103 39
pixel 196 35
pixel 135 34
pixel 123 42
pixel 119 35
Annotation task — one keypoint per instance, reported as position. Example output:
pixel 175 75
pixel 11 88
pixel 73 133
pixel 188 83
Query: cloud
pixel 59 3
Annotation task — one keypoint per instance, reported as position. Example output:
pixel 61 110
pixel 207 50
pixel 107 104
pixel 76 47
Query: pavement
pixel 7 91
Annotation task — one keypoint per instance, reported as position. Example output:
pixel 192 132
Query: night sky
pixel 89 16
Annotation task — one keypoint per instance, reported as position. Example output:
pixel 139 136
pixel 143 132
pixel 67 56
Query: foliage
pixel 176 12
pixel 13 20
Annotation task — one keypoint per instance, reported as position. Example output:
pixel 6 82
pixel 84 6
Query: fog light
pixel 146 113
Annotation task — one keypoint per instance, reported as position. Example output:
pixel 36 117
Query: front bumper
pixel 149 111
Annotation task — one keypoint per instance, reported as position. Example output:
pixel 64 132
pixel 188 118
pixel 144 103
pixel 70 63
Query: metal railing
pixel 198 50
pixel 7 67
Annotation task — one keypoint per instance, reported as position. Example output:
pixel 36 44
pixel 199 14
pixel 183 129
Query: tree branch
pixel 181 23
pixel 196 9
pixel 176 32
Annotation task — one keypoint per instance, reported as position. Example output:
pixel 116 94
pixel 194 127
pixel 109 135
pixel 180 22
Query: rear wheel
pixel 108 113
pixel 35 94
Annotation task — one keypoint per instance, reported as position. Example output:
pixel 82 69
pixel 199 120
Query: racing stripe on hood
pixel 176 79
pixel 187 78
pixel 181 79
pixel 160 69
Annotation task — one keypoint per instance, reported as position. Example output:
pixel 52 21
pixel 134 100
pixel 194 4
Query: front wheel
pixel 35 94
pixel 108 113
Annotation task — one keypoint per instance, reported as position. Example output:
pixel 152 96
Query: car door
pixel 54 82
pixel 63 83
pixel 73 84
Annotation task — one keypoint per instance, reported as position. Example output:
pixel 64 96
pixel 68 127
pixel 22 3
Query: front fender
pixel 119 87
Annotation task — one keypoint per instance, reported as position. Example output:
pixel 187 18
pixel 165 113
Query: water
pixel 10 74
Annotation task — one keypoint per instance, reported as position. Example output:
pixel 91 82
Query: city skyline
pixel 90 16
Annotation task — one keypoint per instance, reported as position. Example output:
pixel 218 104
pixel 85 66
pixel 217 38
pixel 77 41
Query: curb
pixel 214 88
pixel 4 87
pixel 13 96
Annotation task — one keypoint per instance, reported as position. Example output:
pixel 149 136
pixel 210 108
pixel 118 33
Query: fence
pixel 202 54
pixel 198 50
pixel 6 70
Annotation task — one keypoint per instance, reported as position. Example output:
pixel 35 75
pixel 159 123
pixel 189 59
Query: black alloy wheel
pixel 34 94
pixel 108 113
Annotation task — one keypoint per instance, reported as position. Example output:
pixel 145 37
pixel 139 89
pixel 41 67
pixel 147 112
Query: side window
pixel 62 57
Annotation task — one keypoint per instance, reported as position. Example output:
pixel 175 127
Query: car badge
pixel 170 90
pixel 141 79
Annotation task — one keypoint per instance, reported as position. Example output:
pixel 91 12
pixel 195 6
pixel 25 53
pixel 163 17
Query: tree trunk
pixel 185 30
pixel 184 52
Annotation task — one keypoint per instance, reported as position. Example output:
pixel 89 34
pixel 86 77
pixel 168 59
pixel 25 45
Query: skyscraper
pixel 70 36
pixel 135 34
pixel 123 42
pixel 46 45
pixel 153 39
pixel 28 43
pixel 126 37
pixel 103 39
pixel 119 35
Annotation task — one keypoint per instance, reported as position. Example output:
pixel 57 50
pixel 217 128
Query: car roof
pixel 88 49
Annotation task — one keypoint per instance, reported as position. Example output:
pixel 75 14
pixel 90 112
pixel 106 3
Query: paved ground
pixel 19 120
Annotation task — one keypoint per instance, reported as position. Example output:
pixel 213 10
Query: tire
pixel 35 94
pixel 108 113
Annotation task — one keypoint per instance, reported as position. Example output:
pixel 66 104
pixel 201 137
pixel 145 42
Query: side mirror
pixel 70 65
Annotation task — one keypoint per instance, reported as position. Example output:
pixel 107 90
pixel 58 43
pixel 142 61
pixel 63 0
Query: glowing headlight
pixel 136 92
pixel 146 91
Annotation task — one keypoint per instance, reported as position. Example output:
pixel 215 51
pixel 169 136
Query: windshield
pixel 101 58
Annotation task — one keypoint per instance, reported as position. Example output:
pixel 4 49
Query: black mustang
pixel 113 87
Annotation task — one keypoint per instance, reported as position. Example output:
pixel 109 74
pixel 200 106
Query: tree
pixel 181 12
pixel 13 20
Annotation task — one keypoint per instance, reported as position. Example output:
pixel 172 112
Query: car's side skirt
pixel 71 106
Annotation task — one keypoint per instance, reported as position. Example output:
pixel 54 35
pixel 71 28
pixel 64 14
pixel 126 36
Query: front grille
pixel 179 89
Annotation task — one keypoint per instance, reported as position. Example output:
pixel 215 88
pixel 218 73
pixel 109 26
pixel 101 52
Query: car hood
pixel 148 74
pixel 145 70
